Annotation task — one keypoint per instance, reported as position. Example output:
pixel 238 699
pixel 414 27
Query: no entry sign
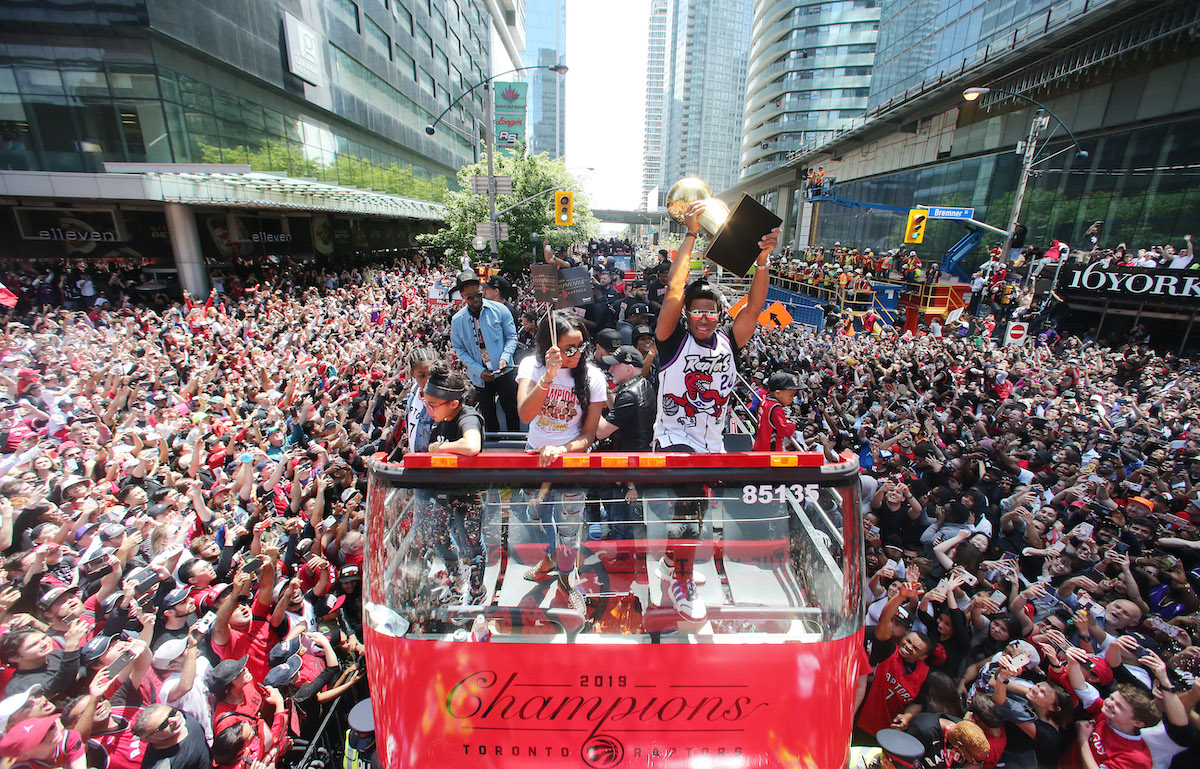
pixel 1017 331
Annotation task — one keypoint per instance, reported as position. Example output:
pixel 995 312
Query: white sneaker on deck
pixel 685 599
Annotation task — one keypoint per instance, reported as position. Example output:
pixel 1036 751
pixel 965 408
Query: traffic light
pixel 914 229
pixel 564 208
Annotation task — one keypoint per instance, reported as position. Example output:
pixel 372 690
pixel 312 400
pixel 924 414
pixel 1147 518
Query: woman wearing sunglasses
pixel 697 371
pixel 560 393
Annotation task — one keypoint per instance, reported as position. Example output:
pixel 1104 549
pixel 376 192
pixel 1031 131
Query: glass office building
pixel 809 72
pixel 656 59
pixel 919 39
pixel 337 90
pixel 1121 76
pixel 545 46
pixel 704 90
pixel 1114 186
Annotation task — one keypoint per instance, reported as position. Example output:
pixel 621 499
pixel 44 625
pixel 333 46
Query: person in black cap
pixel 637 294
pixel 606 342
pixel 498 289
pixel 178 608
pixel 900 750
pixel 630 421
pixel 484 337
pixel 629 426
pixel 634 314
pixel 774 424
pixel 303 675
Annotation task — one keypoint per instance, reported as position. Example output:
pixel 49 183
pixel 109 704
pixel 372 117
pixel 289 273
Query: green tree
pixel 531 174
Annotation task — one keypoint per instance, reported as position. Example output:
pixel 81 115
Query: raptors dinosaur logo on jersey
pixel 700 396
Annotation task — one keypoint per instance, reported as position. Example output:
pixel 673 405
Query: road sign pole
pixel 487 110
pixel 1026 165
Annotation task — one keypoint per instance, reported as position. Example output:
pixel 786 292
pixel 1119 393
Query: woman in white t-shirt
pixel 551 386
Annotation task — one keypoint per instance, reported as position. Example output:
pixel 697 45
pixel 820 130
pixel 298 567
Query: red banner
pixel 612 705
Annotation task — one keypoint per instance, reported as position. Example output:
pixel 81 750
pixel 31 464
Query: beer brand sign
pixel 509 104
pixel 1131 283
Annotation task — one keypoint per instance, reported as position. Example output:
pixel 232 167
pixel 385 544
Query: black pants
pixel 502 389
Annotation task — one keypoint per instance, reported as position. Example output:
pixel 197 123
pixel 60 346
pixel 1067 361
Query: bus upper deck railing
pixel 775 535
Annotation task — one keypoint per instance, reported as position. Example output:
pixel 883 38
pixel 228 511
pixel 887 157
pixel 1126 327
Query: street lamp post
pixel 431 129
pixel 1039 121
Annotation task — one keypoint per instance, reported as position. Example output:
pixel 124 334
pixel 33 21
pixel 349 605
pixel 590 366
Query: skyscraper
pixel 301 124
pixel 656 55
pixel 704 90
pixel 809 72
pixel 545 46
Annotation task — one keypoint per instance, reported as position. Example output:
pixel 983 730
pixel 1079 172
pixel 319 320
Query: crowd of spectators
pixel 182 512
pixel 1031 547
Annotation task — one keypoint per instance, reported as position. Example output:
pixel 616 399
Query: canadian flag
pixel 7 298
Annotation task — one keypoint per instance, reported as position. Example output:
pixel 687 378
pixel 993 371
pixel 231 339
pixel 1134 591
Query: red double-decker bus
pixel 510 675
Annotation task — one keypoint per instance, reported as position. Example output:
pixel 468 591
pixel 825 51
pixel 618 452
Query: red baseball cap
pixel 26 736
pixel 1103 671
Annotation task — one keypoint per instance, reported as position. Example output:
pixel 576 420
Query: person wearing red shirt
pixel 1113 740
pixel 235 690
pixel 241 742
pixel 42 743
pixel 900 672
pixel 93 716
pixel 247 629
pixel 774 425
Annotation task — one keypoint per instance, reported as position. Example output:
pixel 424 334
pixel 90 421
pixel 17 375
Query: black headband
pixel 444 393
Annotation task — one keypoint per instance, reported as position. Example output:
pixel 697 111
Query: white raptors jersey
pixel 694 383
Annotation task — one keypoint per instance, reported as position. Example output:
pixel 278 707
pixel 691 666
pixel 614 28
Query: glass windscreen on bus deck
pixel 769 561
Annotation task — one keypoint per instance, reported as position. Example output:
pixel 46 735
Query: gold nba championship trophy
pixel 691 190
pixel 733 234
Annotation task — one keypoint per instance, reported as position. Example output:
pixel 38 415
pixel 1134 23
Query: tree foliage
pixel 531 174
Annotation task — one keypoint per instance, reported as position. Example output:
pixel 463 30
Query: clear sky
pixel 606 98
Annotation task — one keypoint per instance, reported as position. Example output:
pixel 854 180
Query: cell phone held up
pixel 144 579
pixel 96 567
pixel 205 623
pixel 120 663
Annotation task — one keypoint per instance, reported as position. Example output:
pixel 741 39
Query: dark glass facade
pixel 1135 181
pixel 84 83
pixel 918 39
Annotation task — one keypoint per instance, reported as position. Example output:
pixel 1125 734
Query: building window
pixel 404 16
pixel 423 39
pixel 378 39
pixel 406 63
pixel 347 11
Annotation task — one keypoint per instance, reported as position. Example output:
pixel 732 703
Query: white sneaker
pixel 685 599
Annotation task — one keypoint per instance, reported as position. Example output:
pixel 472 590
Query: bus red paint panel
pixel 441 704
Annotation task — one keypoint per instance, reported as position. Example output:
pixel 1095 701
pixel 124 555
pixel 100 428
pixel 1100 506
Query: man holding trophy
pixel 698 351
